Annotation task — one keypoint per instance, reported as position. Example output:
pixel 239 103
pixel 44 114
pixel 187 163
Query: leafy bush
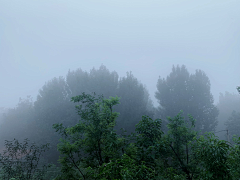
pixel 21 161
pixel 92 150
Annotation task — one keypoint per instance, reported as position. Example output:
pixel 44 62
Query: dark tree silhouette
pixel 190 93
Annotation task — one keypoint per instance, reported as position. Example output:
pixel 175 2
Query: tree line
pixel 94 128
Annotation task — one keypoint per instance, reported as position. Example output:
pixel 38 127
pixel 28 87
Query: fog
pixel 40 40
pixel 169 70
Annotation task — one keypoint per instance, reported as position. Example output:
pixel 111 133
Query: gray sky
pixel 43 39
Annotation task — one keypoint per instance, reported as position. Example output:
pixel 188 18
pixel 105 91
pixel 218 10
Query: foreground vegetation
pixel 150 145
pixel 92 149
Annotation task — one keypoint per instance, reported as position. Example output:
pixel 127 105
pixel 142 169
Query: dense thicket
pixel 190 93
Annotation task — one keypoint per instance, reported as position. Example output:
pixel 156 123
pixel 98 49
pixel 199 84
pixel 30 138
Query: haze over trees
pixel 53 104
pixel 17 122
pixel 228 103
pixel 190 93
pixel 93 150
pixel 91 144
pixel 233 122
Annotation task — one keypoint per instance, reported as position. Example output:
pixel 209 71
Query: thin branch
pixel 71 157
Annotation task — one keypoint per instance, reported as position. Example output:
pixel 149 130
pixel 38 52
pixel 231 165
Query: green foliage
pixel 179 141
pixel 148 141
pixel 124 168
pixel 234 158
pixel 213 155
pixel 21 161
pixel 91 142
pixel 52 172
pixel 35 120
pixel 92 150
pixel 53 105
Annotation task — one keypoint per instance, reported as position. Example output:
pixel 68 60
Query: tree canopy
pixel 92 149
pixel 190 93
pixel 53 105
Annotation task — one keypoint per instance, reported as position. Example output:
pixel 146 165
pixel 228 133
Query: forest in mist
pixel 180 92
pixel 119 90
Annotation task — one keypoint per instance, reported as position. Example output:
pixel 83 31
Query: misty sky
pixel 43 39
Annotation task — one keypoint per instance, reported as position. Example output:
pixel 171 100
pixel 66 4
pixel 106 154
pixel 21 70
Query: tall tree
pixel 190 93
pixel 135 102
pixel 202 103
pixel 52 106
pixel 134 97
pixel 91 142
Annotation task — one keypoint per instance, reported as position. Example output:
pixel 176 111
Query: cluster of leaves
pixel 91 142
pixel 20 161
pixel 93 150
